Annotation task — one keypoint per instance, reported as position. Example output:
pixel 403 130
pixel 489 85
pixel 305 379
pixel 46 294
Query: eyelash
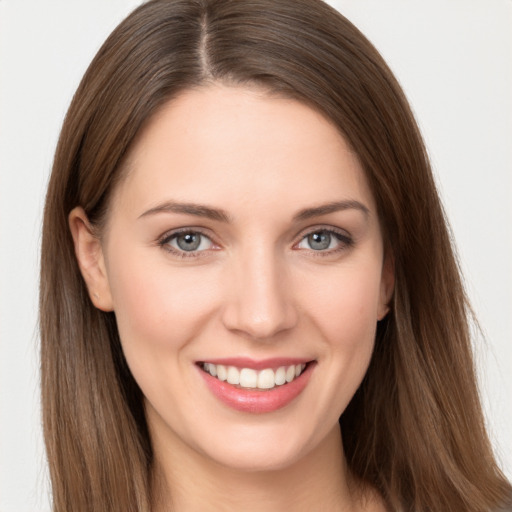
pixel 345 241
pixel 343 238
pixel 165 240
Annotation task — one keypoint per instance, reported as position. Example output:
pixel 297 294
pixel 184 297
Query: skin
pixel 255 288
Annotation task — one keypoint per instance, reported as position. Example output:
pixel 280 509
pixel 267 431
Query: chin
pixel 262 450
pixel 256 461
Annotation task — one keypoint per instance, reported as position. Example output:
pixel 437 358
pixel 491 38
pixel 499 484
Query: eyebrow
pixel 325 209
pixel 220 215
pixel 197 210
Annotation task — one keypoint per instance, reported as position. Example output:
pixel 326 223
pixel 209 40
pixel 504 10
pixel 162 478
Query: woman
pixel 247 280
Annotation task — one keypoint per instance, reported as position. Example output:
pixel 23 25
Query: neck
pixel 185 481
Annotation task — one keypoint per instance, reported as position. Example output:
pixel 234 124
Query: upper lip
pixel 260 364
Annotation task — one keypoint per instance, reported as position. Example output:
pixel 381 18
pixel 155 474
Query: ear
pixel 387 286
pixel 91 260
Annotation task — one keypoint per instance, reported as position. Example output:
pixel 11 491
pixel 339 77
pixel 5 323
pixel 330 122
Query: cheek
pixel 345 315
pixel 158 308
pixel 345 304
pixel 159 311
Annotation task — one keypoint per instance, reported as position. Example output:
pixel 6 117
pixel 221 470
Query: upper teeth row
pixel 249 378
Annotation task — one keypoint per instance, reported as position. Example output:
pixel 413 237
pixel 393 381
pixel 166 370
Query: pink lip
pixel 257 401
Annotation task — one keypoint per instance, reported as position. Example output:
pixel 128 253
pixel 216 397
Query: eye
pixel 186 242
pixel 324 240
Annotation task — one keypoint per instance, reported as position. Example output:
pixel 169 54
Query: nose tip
pixel 260 305
pixel 260 325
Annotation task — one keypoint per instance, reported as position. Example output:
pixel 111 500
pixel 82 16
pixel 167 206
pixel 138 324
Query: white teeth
pixel 222 374
pixel 233 375
pixel 266 379
pixel 249 378
pixel 280 376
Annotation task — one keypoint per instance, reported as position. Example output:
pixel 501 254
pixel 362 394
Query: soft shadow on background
pixel 454 60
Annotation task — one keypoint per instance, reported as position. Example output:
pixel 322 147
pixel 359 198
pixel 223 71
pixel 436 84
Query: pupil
pixel 320 240
pixel 189 241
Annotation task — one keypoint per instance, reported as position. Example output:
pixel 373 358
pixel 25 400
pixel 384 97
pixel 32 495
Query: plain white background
pixel 454 59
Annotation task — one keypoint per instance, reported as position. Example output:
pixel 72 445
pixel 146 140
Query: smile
pixel 267 378
pixel 256 387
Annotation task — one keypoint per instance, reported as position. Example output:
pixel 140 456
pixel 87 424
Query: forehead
pixel 221 144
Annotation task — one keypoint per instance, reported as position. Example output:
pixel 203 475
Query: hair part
pixel 414 430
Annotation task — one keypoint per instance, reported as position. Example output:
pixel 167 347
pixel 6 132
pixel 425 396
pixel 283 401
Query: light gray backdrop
pixel 454 59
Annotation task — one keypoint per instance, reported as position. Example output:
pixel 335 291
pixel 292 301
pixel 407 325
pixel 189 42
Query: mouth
pixel 256 387
pixel 250 378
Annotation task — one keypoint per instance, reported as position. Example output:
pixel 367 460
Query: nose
pixel 260 303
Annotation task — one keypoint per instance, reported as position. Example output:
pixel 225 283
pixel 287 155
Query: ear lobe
pixel 90 258
pixel 387 286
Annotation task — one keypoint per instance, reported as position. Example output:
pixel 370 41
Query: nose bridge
pixel 260 304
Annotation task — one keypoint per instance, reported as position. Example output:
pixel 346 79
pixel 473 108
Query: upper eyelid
pixel 330 229
pixel 179 231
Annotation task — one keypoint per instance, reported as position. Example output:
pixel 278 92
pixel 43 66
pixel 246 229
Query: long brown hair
pixel 414 430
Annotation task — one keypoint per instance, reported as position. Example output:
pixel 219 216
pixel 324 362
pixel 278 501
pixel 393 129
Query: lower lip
pixel 258 401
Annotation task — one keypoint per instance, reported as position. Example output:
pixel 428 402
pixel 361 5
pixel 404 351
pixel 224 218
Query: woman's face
pixel 244 262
